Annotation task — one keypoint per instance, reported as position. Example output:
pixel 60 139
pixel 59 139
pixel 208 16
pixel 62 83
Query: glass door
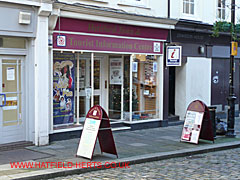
pixel 11 96
pixel 84 77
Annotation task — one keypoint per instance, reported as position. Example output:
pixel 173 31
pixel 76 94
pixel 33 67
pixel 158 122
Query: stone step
pixel 15 145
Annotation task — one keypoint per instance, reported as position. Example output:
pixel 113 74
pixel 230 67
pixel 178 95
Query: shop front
pixel 119 67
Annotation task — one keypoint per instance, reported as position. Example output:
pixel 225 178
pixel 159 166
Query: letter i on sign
pixel 172 56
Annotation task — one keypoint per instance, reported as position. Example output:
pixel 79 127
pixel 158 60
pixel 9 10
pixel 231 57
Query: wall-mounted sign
pixel 104 43
pixel 156 47
pixel 234 48
pixel 174 56
pixel 61 40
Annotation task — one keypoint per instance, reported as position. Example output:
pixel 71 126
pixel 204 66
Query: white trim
pixel 122 88
pixel 134 3
pixel 107 52
pixel 130 88
pixel 25 2
pixel 104 1
pixel 13 51
pixel 92 79
pixel 51 88
pixel 107 35
pixel 78 98
pixel 142 121
pixel 66 130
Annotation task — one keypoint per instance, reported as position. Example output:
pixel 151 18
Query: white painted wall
pixel 205 11
pixel 193 82
pixel 154 8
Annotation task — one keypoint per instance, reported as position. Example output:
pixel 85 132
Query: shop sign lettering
pixel 96 43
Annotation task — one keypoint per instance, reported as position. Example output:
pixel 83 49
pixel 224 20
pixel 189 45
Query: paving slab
pixel 132 146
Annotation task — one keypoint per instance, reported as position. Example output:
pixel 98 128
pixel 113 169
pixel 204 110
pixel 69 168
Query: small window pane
pixel 223 14
pixel 219 13
pixel 187 8
pixel 192 9
pixel 219 3
pixel 12 42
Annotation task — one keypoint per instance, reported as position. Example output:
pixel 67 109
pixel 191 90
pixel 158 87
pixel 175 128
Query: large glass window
pixel 188 6
pixel 126 86
pixel 145 87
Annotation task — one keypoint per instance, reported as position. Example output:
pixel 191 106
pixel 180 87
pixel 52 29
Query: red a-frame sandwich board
pixel 197 124
pixel 97 125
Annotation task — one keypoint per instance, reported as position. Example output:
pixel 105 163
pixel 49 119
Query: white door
pixel 12 123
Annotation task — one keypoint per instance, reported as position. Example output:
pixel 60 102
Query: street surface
pixel 214 165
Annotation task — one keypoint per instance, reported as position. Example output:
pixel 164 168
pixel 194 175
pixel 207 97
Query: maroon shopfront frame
pixel 83 35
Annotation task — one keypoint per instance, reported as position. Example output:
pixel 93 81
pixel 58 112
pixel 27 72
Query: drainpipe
pixel 168 9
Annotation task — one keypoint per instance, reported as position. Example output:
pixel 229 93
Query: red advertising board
pixel 197 124
pixel 97 125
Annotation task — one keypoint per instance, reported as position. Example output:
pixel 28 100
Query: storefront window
pixel 126 91
pixel 144 87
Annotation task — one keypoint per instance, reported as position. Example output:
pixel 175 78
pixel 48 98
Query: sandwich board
pixel 197 124
pixel 97 125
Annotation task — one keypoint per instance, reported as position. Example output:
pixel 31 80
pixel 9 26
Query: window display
pixel 144 87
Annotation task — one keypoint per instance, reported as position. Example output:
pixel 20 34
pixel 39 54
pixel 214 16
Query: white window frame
pixel 189 4
pixel 222 9
pixel 137 3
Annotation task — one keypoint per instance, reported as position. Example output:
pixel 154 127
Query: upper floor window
pixel 221 9
pixel 188 6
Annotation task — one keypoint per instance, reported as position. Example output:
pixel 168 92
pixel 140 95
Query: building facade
pixel 59 58
pixel 111 56
pixel 23 52
pixel 204 73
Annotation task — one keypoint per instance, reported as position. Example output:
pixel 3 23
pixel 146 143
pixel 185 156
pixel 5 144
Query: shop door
pixel 220 81
pixel 85 88
pixel 12 124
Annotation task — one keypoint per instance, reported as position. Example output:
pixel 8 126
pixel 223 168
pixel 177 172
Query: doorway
pixel 84 87
pixel 12 120
pixel 171 104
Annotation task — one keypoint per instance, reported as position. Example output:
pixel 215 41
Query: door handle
pixel 5 99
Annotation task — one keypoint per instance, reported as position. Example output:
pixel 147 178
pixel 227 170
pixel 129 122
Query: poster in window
pixel 10 73
pixel 116 71
pixel 63 88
